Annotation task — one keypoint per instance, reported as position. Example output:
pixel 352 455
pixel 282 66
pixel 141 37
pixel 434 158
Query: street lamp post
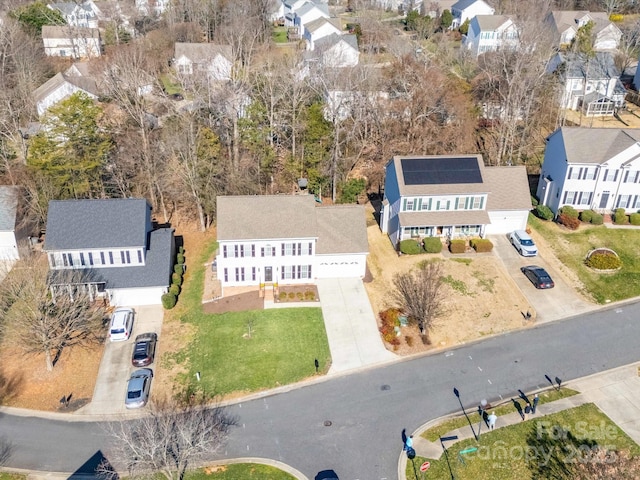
pixel 457 394
pixel 446 455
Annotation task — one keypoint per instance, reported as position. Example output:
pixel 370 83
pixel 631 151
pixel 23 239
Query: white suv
pixel 523 243
pixel 121 324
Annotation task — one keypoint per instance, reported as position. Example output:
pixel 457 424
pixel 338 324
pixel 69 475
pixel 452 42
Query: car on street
pixel 538 276
pixel 138 388
pixel 121 324
pixel 523 243
pixel 144 349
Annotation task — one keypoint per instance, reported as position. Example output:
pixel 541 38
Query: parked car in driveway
pixel 523 243
pixel 121 324
pixel 138 388
pixel 144 349
pixel 538 276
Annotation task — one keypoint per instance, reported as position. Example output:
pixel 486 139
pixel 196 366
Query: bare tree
pixel 419 293
pixel 44 323
pixel 172 438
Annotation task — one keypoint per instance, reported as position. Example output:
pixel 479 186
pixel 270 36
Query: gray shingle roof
pixel 320 22
pixel 329 41
pixel 8 208
pixel 202 52
pixel 488 23
pixel 440 188
pixel 58 80
pixel 308 6
pixel 564 19
pixel 508 188
pixel 255 217
pixel 82 224
pixel 155 273
pixel 601 65
pixel 462 4
pixel 596 145
pixel 341 229
pixel 57 31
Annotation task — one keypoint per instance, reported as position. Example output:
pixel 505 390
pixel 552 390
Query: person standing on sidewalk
pixel 527 411
pixel 536 399
pixel 491 419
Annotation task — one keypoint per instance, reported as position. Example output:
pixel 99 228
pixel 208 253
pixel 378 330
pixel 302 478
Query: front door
pixel 268 274
pixel 604 199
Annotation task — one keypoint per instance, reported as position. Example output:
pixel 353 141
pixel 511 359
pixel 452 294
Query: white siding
pixel 8 246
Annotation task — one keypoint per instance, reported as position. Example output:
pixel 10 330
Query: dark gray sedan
pixel 144 349
pixel 538 276
pixel 138 388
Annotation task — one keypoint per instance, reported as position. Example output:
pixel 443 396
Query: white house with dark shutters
pixel 114 245
pixel 591 168
pixel 288 239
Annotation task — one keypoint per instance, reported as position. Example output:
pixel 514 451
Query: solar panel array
pixel 432 171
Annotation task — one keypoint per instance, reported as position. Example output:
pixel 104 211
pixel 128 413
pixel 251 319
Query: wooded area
pixel 188 139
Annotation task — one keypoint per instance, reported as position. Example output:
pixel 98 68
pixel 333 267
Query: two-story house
pixel 211 59
pixel 288 239
pixel 320 28
pixel 489 33
pixel 464 10
pixel 589 83
pixel 447 196
pixel 591 169
pixel 83 14
pixel 565 24
pixel 307 13
pixel 113 242
pixel 68 41
pixel 60 87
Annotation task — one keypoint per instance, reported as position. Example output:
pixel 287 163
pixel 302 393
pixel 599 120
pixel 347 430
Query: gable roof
pixel 448 167
pixel 329 41
pixel 318 23
pixel 65 32
pixel 464 4
pixel 508 188
pixel 202 52
pixel 601 65
pixel 341 229
pixel 104 223
pixel 595 145
pixel 491 22
pixel 8 208
pixel 68 8
pixel 59 79
pixel 565 19
pixel 308 6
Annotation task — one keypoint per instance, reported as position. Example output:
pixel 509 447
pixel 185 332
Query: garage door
pixel 341 266
pixel 506 221
pixel 136 296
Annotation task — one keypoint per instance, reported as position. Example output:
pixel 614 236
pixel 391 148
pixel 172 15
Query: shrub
pixel 569 211
pixel 457 246
pixel 390 317
pixel 168 301
pixel 620 217
pixel 175 289
pixel 177 268
pixel 282 296
pixel 569 222
pixel 432 244
pixel 410 247
pixel 299 295
pixel 597 219
pixel 180 258
pixel 603 260
pixel 534 201
pixel 291 296
pixel 181 249
pixel 586 215
pixel 634 218
pixel 176 278
pixel 544 212
pixel 409 340
pixel 616 17
pixel 481 245
pixel 309 295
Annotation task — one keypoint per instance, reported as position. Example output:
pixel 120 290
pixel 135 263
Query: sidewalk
pixel 615 392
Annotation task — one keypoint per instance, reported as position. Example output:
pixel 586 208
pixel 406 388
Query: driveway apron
pixel 351 325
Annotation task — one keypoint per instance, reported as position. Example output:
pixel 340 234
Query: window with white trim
pixel 610 175
pixel 570 197
pixel 623 201
pixel 590 174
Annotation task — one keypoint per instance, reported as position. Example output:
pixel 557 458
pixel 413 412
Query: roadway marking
pixel 266 405
pixel 449 354
pixel 618 310
pixel 470 358
pixel 489 382
pixel 479 369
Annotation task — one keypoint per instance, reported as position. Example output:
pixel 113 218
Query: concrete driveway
pixel 558 302
pixel 351 325
pixel 115 366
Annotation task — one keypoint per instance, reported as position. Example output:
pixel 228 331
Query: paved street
pixel 369 409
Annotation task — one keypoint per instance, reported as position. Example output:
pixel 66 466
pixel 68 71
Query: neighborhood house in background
pixel 452 196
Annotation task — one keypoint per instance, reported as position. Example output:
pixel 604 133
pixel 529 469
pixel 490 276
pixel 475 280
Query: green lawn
pixel 279 34
pixel 571 247
pixel 280 350
pixel 170 87
pixel 542 447
pixel 244 471
pixel 434 433
pixel 15 476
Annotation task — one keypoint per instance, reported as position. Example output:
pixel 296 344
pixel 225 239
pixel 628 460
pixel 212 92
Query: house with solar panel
pixel 452 197
pixel 287 240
